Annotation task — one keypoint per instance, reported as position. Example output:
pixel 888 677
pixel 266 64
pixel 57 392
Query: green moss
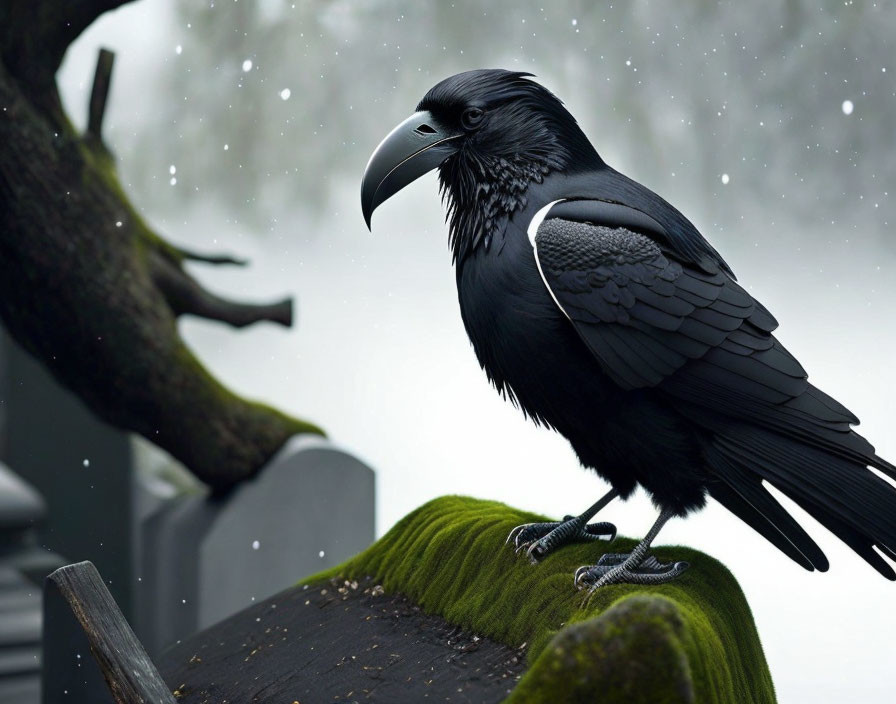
pixel 691 640
pixel 632 653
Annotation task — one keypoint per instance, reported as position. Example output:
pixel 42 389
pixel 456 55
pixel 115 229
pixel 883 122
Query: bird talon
pixel 511 537
pixel 524 534
pixel 540 539
pixel 537 551
pixel 587 575
pixel 581 576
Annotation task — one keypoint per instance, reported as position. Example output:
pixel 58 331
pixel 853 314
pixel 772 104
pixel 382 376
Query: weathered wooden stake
pixel 130 674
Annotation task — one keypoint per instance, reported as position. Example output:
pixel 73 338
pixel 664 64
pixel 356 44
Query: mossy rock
pixel 693 640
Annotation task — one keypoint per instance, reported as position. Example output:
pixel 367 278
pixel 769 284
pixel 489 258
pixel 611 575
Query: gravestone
pixel 205 558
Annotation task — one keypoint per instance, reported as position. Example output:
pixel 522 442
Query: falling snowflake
pixel 247 65
pixel 847 107
pixel 285 93
pixel 725 179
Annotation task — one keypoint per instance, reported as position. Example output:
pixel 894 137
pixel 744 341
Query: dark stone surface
pixel 339 642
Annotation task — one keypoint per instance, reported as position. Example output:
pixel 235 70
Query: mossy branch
pixel 102 78
pixel 188 255
pixel 185 296
pixel 89 289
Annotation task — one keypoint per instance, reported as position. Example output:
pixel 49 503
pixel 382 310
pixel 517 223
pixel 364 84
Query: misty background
pixel 245 127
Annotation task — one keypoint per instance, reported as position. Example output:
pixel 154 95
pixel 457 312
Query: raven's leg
pixel 637 567
pixel 538 539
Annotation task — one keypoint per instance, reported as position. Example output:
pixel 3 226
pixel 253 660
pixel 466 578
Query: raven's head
pixel 491 132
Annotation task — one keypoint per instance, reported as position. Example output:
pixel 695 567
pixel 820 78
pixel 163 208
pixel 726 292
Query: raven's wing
pixel 653 319
pixel 644 314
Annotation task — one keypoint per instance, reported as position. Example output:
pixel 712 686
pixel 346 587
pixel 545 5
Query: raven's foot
pixel 539 539
pixel 636 567
pixel 627 568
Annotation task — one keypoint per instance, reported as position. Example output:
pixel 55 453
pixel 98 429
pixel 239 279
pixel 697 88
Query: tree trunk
pixel 88 289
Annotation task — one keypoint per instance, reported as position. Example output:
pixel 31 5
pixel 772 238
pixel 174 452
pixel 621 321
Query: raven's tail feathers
pixel 839 491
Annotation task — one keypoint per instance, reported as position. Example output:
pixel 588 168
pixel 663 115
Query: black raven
pixel 602 312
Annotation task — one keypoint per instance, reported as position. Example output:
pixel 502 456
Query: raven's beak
pixel 417 145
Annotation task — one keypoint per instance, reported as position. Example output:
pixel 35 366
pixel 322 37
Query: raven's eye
pixel 472 117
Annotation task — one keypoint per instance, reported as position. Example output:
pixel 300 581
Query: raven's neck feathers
pixel 483 190
pixel 481 193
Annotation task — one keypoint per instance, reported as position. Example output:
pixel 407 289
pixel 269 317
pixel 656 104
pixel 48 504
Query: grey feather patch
pixel 566 245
